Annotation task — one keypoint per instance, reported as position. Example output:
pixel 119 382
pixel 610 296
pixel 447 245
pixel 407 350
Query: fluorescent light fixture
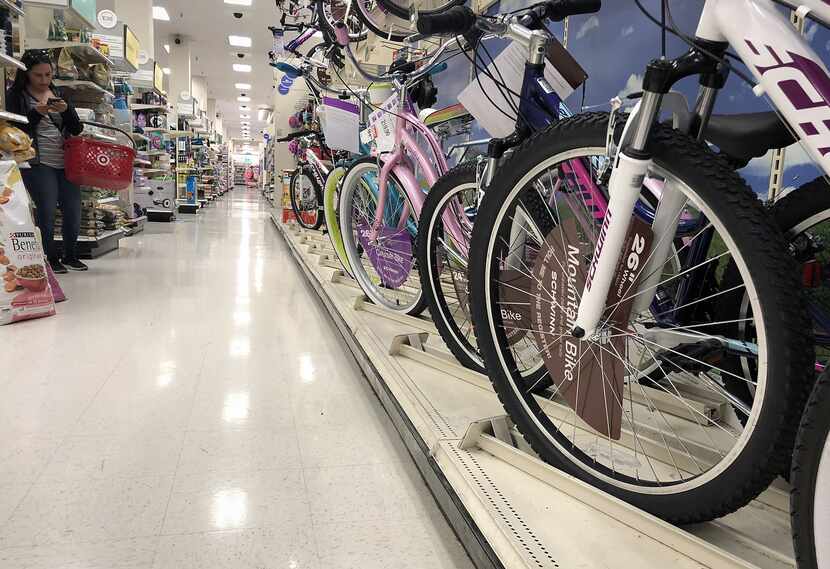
pixel 244 99
pixel 167 71
pixel 243 86
pixel 240 41
pixel 239 2
pixel 242 67
pixel 167 47
pixel 160 13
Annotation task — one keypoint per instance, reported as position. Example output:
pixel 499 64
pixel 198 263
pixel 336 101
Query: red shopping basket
pixel 93 162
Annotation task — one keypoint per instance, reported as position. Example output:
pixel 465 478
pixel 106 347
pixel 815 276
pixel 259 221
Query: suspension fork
pixel 632 165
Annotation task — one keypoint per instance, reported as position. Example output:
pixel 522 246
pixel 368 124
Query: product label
pixel 390 254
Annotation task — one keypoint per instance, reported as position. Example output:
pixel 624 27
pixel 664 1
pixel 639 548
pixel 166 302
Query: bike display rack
pixel 508 508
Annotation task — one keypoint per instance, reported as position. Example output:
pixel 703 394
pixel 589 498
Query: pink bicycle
pixel 381 200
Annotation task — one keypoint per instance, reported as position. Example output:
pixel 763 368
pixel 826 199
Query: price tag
pixel 341 124
pixel 382 124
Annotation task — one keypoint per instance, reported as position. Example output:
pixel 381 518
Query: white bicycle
pixel 663 302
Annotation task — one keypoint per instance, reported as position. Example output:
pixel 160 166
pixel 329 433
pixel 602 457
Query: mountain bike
pixel 631 300
pixel 810 478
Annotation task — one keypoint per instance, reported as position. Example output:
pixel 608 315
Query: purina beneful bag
pixel 24 286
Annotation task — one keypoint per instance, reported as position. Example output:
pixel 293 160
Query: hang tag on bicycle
pixel 341 123
pixel 562 72
pixel 382 124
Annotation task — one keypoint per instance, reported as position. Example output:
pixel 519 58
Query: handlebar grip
pixel 456 21
pixel 341 33
pixel 289 69
pixel 561 9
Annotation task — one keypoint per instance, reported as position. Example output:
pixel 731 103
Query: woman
pixel 51 120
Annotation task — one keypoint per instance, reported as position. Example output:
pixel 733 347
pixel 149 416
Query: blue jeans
pixel 50 189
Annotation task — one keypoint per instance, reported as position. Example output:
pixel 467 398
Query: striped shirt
pixel 49 138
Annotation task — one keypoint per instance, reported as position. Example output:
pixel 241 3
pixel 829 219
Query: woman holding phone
pixel 51 121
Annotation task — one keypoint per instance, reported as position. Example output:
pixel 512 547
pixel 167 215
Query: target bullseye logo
pixel 103 160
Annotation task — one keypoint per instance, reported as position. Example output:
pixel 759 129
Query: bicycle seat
pixel 743 137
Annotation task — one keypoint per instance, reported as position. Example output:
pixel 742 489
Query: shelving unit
pixel 85 50
pixel 8 61
pixel 82 85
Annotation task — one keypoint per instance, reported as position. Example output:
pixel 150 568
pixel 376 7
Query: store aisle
pixel 191 406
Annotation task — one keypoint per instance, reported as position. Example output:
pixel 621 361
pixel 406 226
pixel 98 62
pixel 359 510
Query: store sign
pixel 131 48
pixel 185 109
pixel 158 77
pixel 107 19
pixel 115 44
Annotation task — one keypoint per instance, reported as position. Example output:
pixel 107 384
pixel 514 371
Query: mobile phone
pixel 54 100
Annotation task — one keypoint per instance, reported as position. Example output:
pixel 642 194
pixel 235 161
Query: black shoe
pixel 75 265
pixel 58 268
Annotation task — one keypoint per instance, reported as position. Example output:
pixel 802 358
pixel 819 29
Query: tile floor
pixel 191 406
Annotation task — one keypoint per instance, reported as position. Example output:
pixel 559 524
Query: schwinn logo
pixel 603 233
pixel 807 87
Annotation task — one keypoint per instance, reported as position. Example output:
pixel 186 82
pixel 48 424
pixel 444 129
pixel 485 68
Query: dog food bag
pixel 24 285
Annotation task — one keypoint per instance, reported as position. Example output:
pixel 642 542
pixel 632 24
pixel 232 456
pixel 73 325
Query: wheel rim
pixel 385 267
pixel 821 508
pixel 686 459
pixel 305 200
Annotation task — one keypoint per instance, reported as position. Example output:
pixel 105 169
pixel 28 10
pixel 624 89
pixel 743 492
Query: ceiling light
pixel 239 41
pixel 166 71
pixel 241 67
pixel 239 2
pixel 243 86
pixel 167 47
pixel 160 13
pixel 243 99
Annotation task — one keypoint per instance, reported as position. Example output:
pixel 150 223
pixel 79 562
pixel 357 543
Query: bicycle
pixel 443 260
pixel 810 477
pixel 625 299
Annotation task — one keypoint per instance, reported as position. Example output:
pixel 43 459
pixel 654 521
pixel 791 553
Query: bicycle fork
pixel 633 163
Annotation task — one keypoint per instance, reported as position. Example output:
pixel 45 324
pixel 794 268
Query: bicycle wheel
pixel 334 11
pixel 331 201
pixel 306 200
pixel 382 22
pixel 810 477
pixel 401 9
pixel 383 265
pixel 640 410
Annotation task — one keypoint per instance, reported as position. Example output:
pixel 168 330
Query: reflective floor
pixel 192 406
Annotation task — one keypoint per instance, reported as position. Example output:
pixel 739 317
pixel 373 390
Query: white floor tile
pixel 290 546
pixel 23 459
pixel 348 445
pixel 239 451
pixel 211 501
pixel 10 497
pixel 135 553
pixel 96 510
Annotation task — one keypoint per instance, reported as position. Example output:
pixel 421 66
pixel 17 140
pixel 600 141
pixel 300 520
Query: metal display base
pixel 93 247
pixel 509 508
pixel 188 208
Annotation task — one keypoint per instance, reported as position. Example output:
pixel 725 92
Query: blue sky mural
pixel 614 47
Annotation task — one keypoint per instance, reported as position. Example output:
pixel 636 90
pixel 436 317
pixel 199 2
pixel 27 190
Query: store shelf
pixel 101 237
pixel 107 200
pixel 11 117
pixel 84 50
pixel 8 61
pixel 82 86
pixel 155 152
pixel 12 7
pixel 138 137
pixel 143 107
pixel 511 510
pixel 141 162
pixel 151 170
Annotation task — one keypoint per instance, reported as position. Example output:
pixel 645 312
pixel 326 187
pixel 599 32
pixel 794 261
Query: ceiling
pixel 207 24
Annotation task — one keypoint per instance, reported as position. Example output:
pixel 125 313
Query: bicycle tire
pixel 330 205
pixel 403 298
pixel 401 12
pixel 811 462
pixel 322 5
pixel 318 221
pixel 394 30
pixel 767 446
